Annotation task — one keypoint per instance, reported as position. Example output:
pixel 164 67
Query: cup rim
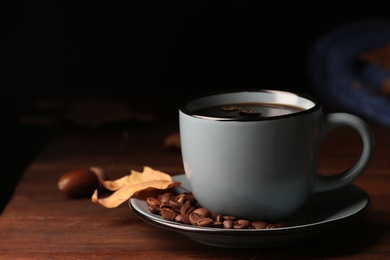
pixel 314 99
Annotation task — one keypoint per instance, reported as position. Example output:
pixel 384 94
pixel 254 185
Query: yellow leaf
pixel 135 177
pixel 125 187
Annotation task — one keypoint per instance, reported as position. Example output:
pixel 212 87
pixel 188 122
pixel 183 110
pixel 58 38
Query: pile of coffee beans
pixel 183 208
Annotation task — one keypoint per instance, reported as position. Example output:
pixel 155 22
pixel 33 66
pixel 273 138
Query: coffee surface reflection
pixel 246 111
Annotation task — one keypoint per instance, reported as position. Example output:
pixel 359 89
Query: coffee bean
pixel 153 204
pixel 205 222
pixel 260 224
pixel 186 209
pixel 229 224
pixel 183 218
pixel 183 208
pixel 202 212
pixel 168 213
pixel 244 223
pixel 194 218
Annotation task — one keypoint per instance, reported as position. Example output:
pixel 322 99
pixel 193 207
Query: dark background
pixel 152 52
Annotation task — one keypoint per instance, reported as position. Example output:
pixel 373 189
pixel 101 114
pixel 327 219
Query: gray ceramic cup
pixel 261 165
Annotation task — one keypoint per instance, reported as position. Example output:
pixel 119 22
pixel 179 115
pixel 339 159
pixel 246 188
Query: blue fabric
pixel 342 79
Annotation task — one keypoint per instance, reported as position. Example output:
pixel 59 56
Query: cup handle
pixel 336 120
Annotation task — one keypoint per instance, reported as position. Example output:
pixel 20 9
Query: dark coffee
pixel 246 111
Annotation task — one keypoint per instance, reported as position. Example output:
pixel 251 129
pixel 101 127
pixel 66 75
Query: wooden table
pixel 41 223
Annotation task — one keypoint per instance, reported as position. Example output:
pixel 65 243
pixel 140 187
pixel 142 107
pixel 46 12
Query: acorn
pixel 80 183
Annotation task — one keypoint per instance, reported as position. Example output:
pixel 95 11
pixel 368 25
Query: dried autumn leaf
pixel 131 184
pixel 136 177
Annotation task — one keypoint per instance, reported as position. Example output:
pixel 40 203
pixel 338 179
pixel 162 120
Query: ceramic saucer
pixel 322 211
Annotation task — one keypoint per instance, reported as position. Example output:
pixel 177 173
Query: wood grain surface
pixel 41 223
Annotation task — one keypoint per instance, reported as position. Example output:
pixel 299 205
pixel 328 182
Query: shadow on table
pixel 350 239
